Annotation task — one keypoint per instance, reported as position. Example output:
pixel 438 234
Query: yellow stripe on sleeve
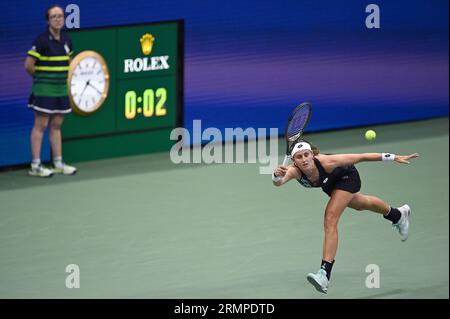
pixel 35 54
pixel 52 68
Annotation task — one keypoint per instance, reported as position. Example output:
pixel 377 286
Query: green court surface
pixel 142 227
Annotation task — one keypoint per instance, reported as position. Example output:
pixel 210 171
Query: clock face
pixel 88 82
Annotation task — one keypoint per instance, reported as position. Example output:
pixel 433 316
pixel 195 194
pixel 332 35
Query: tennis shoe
pixel 65 169
pixel 40 171
pixel 319 280
pixel 402 225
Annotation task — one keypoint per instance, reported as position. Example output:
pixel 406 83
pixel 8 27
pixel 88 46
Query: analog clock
pixel 88 82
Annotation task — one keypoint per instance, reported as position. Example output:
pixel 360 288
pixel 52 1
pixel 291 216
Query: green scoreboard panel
pixel 144 101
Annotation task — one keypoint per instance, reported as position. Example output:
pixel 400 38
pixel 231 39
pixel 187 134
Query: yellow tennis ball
pixel 370 135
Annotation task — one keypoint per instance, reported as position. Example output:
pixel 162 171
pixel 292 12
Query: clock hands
pixel 94 88
pixel 87 84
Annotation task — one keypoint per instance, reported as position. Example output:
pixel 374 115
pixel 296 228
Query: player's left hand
pixel 404 159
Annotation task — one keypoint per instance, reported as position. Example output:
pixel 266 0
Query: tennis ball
pixel 370 135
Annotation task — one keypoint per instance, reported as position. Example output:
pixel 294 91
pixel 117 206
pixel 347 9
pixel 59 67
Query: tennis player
pixel 339 179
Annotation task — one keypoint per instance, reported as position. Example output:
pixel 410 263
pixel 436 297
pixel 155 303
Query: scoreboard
pixel 144 99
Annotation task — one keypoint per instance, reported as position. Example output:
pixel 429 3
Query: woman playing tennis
pixel 338 177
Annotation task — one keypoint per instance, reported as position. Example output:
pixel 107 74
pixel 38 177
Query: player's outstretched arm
pixel 282 175
pixel 352 159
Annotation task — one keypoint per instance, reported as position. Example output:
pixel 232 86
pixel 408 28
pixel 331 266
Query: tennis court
pixel 142 227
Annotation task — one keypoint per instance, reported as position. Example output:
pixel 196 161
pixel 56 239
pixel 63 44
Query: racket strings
pixel 297 124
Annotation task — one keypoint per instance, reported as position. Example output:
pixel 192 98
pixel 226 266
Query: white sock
pixel 57 162
pixel 35 163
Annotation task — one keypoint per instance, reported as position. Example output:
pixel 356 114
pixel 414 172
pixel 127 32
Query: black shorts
pixel 349 181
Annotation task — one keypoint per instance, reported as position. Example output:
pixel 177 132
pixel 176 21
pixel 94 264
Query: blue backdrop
pixel 248 63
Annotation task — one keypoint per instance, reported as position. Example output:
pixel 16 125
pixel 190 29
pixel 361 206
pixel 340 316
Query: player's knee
pixel 331 220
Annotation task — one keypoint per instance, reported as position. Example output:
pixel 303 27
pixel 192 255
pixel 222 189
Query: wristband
pixel 276 178
pixel 387 156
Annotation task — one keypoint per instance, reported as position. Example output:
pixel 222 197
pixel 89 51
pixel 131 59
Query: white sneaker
pixel 40 171
pixel 65 169
pixel 319 280
pixel 403 224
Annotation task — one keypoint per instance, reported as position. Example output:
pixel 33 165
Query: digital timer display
pixel 146 103
pixel 153 103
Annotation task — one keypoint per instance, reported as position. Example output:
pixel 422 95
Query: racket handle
pixel 286 160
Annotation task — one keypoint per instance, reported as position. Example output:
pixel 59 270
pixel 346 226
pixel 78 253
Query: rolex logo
pixel 147 43
pixel 143 64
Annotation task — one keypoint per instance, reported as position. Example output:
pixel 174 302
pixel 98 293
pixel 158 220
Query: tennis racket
pixel 295 126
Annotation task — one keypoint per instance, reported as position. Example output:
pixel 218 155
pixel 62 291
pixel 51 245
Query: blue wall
pixel 248 63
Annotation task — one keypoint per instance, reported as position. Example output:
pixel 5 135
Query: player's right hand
pixel 281 170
